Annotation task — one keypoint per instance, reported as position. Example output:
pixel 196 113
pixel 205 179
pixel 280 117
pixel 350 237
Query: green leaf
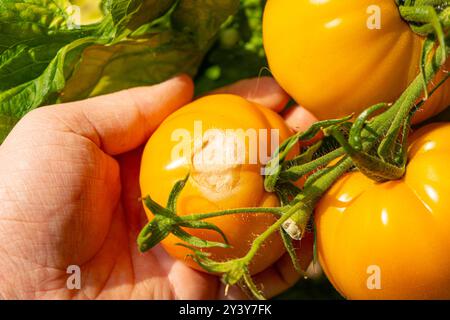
pixel 17 101
pixel 45 59
pixel 27 19
pixel 6 125
pixel 38 50
pixel 202 18
pixel 131 63
pixel 28 60
pixel 134 13
pixel 240 39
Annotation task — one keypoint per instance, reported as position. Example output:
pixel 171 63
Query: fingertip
pixel 299 119
pixel 185 83
pixel 271 94
pixel 264 91
pixel 179 91
pixel 121 121
pixel 172 93
pixel 159 101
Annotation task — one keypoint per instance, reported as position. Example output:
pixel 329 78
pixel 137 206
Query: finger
pixel 130 165
pixel 299 119
pixel 282 275
pixel 122 121
pixel 264 91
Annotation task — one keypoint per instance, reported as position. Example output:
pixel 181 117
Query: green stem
pixel 300 213
pixel 405 105
pixel 295 172
pixel 390 121
pixel 273 228
pixel 200 216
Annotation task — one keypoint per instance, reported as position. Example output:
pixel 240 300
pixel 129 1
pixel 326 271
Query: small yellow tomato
pixel 339 57
pixel 222 141
pixel 391 240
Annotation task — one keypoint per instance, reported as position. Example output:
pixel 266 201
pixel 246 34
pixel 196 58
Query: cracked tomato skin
pixel 325 56
pixel 400 226
pixel 214 188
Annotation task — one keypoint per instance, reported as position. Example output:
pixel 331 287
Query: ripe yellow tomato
pixel 195 140
pixel 391 240
pixel 338 57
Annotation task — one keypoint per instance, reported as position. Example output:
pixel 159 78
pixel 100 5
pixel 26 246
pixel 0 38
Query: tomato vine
pixel 375 143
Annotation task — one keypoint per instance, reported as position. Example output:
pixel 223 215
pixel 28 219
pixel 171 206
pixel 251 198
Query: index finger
pixel 264 91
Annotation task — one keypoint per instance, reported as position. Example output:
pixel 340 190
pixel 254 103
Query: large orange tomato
pixel 391 240
pixel 338 57
pixel 185 143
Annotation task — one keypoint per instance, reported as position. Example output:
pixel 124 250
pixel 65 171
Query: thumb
pixel 122 121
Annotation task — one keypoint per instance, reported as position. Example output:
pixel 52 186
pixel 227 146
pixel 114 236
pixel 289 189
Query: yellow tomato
pixel 337 57
pixel 391 240
pixel 185 143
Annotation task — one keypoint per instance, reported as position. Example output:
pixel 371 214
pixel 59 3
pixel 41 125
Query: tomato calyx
pixel 235 271
pixel 302 164
pixel 166 221
pixel 378 147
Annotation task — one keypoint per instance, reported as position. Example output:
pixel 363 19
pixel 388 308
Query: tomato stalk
pixel 427 17
pixel 364 135
pixel 298 205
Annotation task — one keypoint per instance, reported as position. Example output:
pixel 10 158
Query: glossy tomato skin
pixel 213 188
pixel 325 56
pixel 401 227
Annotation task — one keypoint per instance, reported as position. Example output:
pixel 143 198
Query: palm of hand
pixel 71 197
pixel 93 225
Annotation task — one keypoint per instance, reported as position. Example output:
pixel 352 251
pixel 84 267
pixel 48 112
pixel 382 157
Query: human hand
pixel 69 196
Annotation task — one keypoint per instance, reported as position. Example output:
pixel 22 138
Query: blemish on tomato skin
pixel 217 162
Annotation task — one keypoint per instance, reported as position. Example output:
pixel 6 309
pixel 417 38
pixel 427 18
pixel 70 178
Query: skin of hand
pixel 69 193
